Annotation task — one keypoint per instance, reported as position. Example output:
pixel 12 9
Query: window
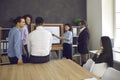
pixel 117 24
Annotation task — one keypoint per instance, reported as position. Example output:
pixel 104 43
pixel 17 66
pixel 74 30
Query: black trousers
pixel 26 57
pixel 39 59
pixel 67 50
pixel 13 60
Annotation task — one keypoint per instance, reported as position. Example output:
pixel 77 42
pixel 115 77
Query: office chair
pixel 99 68
pixel 111 74
pixel 88 64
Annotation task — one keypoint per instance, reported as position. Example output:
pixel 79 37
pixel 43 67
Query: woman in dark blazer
pixel 105 54
pixel 83 40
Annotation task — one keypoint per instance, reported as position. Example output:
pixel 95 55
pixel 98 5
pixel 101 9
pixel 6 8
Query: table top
pixel 53 70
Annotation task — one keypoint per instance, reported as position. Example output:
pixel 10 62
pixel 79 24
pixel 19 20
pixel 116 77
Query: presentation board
pixel 54 29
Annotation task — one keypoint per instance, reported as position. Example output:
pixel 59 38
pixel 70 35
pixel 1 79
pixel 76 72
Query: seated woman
pixel 105 54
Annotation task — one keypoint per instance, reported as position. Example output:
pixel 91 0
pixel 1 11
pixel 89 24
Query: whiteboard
pixel 54 30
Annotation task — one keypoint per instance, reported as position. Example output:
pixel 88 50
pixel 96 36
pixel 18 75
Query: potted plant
pixel 76 21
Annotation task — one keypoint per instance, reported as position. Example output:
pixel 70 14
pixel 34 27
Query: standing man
pixel 83 40
pixel 15 42
pixel 39 43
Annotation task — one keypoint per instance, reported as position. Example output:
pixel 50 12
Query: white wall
pixel 94 20
pixel 99 19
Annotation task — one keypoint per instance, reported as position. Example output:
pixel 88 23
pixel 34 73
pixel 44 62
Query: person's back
pixel 39 43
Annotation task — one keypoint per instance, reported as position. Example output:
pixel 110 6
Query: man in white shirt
pixel 39 43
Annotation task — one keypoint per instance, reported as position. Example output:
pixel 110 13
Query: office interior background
pixel 102 16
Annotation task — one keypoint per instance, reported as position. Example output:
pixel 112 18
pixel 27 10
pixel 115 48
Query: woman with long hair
pixel 105 54
pixel 25 31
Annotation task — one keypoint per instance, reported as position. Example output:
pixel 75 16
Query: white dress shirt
pixel 39 42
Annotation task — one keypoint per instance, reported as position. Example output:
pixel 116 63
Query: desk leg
pixel 59 54
pixel 56 54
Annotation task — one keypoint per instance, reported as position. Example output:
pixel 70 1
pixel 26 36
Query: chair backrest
pixel 88 64
pixel 99 68
pixel 111 74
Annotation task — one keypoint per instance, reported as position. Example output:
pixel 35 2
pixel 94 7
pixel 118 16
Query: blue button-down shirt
pixel 68 35
pixel 15 43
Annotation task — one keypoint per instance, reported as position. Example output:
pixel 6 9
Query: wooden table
pixel 53 70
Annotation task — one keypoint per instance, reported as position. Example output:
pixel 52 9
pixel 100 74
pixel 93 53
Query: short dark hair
pixel 67 24
pixel 83 22
pixel 17 19
pixel 39 20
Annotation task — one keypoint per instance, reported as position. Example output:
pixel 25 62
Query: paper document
pixel 90 78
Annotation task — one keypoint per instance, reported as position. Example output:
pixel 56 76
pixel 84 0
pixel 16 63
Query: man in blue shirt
pixel 15 42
